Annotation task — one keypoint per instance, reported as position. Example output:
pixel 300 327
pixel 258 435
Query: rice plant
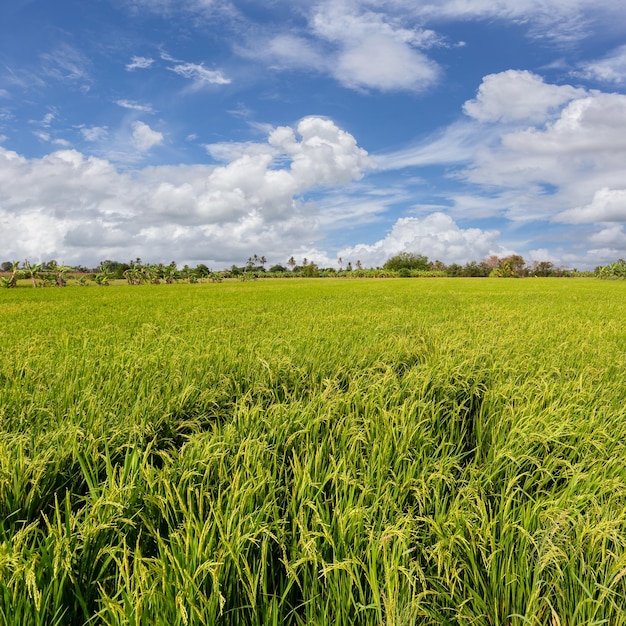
pixel 302 452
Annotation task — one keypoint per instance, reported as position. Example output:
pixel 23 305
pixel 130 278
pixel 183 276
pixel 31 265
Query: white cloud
pixel 200 75
pixel 593 125
pixel 610 69
pixel 518 95
pixel 557 155
pixel 437 236
pixel 361 49
pixel 542 254
pixel 231 150
pixel 373 51
pixel 613 236
pixel 134 106
pixel 139 63
pixel 554 167
pixel 372 45
pixel 608 205
pixel 457 143
pixel 578 154
pixel 144 137
pixel 82 209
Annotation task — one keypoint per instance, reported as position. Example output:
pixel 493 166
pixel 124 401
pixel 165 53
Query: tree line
pixel 403 264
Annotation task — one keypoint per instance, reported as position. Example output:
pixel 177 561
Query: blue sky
pixel 207 131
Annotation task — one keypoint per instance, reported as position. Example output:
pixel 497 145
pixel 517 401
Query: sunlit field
pixel 312 452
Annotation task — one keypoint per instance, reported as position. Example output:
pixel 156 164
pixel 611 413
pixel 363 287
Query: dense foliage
pixel 314 452
pixel 408 261
pixel 612 270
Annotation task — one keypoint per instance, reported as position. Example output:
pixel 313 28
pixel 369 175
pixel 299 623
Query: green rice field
pixel 314 452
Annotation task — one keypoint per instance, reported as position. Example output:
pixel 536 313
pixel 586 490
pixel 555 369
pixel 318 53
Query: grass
pixel 314 452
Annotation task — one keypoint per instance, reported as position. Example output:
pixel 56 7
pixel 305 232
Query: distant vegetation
pixel 612 270
pixel 402 265
pixel 314 452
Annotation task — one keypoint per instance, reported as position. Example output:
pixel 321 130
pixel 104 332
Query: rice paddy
pixel 312 452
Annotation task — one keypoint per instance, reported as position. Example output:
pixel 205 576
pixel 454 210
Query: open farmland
pixel 314 452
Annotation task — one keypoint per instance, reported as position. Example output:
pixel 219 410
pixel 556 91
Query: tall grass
pixel 302 452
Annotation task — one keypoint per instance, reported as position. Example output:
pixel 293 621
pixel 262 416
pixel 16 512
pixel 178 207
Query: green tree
pixel 202 270
pixel 310 270
pixel 542 268
pixel 408 260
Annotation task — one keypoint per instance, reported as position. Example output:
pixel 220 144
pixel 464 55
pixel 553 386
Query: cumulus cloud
pixel 578 154
pixel 559 166
pixel 437 236
pixel 518 95
pixel 82 209
pixel 608 205
pixel 144 137
pixel 555 153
